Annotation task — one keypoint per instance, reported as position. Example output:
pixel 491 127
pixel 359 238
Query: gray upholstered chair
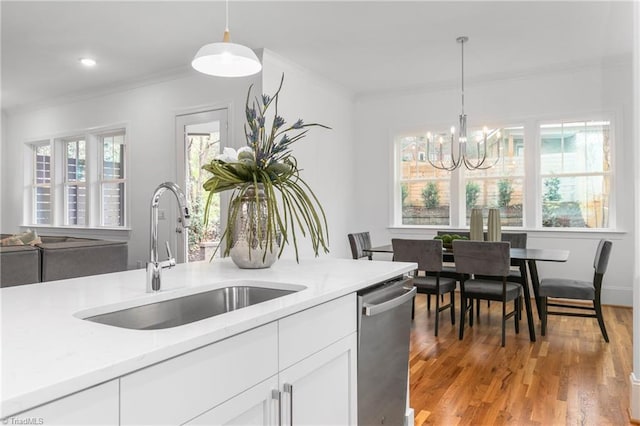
pixel 577 290
pixel 359 241
pixel 485 259
pixel 428 255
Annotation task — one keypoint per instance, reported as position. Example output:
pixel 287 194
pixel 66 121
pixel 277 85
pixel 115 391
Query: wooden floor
pixel 571 376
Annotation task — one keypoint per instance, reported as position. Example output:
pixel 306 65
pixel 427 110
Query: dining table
pixel 526 259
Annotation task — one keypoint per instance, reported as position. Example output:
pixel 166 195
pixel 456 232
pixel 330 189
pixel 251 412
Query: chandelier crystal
pixel 436 155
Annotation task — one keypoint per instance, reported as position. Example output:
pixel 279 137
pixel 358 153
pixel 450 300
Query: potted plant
pixel 270 202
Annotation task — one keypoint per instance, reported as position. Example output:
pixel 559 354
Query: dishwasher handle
pixel 369 310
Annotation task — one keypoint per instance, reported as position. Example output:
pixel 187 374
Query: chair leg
pixel 504 322
pixel 463 311
pixel 516 306
pixel 470 312
pixel 437 297
pixel 429 302
pixel 478 307
pixel 598 308
pixel 452 296
pixel 543 313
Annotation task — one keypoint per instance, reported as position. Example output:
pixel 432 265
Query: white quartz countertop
pixel 48 351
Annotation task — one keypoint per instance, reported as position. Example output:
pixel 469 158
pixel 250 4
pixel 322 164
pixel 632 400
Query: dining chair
pixel 428 255
pixel 359 242
pixel 577 290
pixel 518 271
pixel 480 258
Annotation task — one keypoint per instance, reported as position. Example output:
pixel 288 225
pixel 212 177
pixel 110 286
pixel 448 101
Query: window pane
pixel 505 194
pixel 579 201
pixel 575 148
pixel 113 157
pixel 510 162
pixel 425 203
pixel 43 164
pixel 413 160
pixel 43 205
pixel 113 204
pixel 76 161
pixel 76 205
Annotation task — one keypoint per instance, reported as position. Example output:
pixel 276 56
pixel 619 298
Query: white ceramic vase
pixel 494 226
pixel 476 226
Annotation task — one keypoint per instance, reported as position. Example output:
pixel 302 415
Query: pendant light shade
pixel 226 59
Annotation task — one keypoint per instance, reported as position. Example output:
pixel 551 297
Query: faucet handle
pixel 166 243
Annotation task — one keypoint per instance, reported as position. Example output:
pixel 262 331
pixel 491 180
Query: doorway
pixel 200 137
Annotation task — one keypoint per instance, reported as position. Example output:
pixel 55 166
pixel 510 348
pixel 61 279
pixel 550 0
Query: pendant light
pixel 226 59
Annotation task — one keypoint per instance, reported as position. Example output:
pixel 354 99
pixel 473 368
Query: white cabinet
pixel 94 406
pixel 258 406
pixel 303 364
pixel 177 390
pixel 321 389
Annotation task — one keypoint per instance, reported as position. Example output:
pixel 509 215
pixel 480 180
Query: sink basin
pixel 190 308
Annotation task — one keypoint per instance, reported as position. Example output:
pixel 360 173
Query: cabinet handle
pixel 289 389
pixel 275 394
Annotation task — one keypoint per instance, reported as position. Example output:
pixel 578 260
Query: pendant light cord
pixel 226 10
pixel 462 41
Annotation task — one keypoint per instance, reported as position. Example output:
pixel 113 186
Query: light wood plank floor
pixel 571 376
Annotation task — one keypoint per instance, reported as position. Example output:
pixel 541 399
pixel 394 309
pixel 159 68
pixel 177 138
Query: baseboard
pixel 634 399
pixel 409 417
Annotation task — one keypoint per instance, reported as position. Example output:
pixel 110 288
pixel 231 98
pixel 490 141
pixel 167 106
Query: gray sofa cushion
pixel 19 265
pixel 79 257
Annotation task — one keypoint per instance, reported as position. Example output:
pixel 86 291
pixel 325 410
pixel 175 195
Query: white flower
pixel 229 155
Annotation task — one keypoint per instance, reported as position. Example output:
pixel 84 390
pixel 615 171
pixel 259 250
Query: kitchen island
pixel 51 356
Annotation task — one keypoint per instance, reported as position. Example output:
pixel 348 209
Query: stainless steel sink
pixel 187 309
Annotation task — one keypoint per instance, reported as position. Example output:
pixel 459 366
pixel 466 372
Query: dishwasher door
pixel 384 329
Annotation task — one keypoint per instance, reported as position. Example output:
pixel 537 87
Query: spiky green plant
pixel 267 160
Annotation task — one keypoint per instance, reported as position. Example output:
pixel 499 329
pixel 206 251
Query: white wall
pixel 634 377
pixel 569 94
pixel 149 112
pixel 326 157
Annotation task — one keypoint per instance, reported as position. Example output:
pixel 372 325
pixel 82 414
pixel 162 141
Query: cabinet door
pixel 94 406
pixel 322 389
pixel 182 388
pixel 257 406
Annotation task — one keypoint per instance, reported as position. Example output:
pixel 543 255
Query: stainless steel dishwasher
pixel 384 327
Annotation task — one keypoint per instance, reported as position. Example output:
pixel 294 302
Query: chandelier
pixel 436 155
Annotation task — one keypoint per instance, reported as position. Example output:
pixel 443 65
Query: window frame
pixel 612 173
pixel 532 179
pixel 59 181
pixel 66 183
pixel 102 181
pixel 34 184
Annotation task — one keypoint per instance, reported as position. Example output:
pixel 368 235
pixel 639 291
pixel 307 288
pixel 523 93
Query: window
pixel 501 186
pixel 75 182
pixel 425 190
pixel 429 195
pixel 575 171
pixel 112 182
pixel 79 180
pixel 41 186
pixel 570 189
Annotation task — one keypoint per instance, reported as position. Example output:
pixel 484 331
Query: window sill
pixel 80 231
pixel 551 232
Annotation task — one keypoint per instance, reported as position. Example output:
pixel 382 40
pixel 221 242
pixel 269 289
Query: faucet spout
pixel 154 266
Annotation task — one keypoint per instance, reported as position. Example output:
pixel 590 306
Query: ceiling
pixel 364 46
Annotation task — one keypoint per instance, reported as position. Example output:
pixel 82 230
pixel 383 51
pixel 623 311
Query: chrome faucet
pixel 155 267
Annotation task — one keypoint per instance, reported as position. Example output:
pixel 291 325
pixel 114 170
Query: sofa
pixel 57 258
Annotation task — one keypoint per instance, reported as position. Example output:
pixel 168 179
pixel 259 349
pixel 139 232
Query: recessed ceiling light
pixel 88 62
